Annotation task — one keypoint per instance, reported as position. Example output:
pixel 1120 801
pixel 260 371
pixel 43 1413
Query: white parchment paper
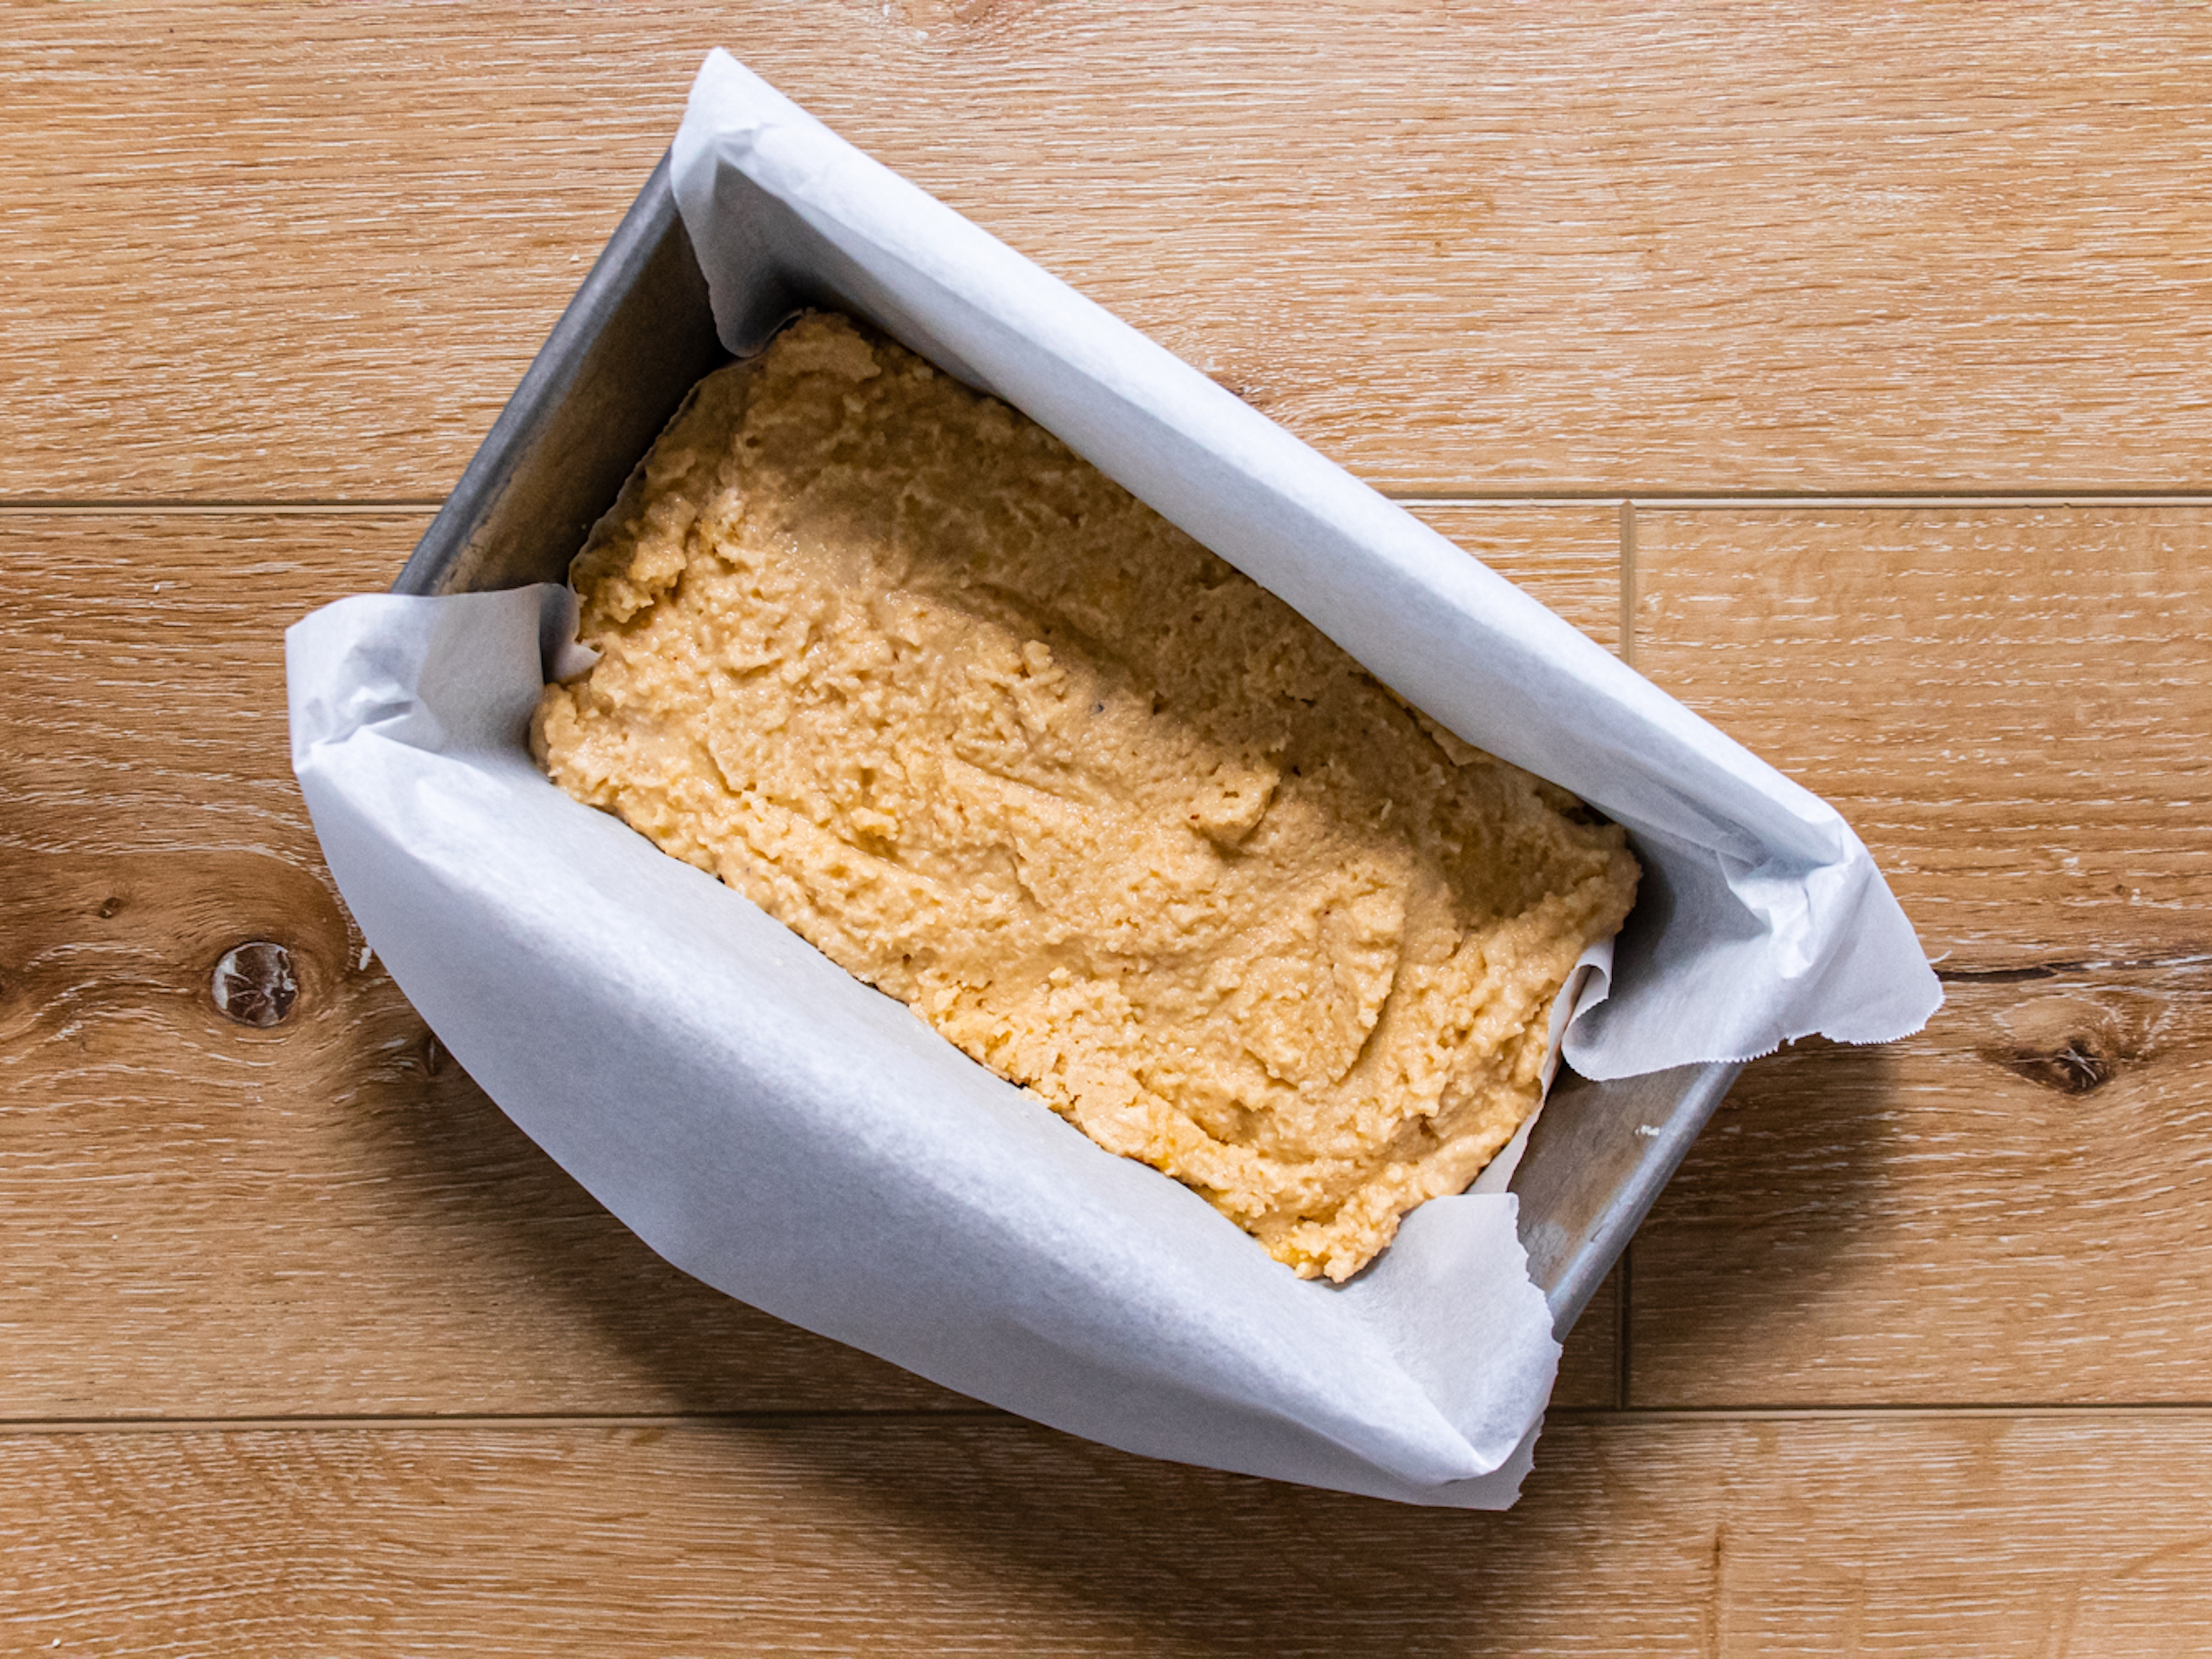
pixel 792 1137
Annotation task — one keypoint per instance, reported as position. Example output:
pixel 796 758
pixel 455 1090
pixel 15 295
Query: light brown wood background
pixel 1848 369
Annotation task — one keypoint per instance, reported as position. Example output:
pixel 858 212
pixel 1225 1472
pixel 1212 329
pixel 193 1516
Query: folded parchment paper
pixel 783 1132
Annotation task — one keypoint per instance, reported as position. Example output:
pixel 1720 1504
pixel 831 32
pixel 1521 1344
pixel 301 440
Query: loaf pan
pixel 634 340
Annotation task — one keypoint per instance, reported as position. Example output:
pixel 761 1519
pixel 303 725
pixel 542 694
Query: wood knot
pixel 2075 1067
pixel 254 984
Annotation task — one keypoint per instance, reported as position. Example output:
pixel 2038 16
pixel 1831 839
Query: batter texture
pixel 886 657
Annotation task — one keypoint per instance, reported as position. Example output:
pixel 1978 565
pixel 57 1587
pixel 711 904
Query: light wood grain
pixel 208 1219
pixel 2012 706
pixel 2015 1205
pixel 1568 554
pixel 1996 1537
pixel 325 1217
pixel 304 254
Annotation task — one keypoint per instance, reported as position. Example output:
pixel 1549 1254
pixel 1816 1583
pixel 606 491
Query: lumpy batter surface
pixel 887 658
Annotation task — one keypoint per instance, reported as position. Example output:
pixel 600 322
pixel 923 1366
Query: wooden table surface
pixel 1848 370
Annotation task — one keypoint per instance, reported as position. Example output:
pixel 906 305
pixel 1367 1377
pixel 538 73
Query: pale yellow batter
pixel 887 658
